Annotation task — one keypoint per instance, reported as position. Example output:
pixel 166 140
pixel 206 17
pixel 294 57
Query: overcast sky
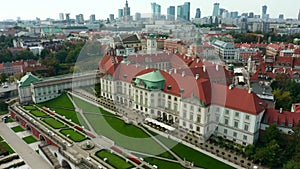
pixel 29 9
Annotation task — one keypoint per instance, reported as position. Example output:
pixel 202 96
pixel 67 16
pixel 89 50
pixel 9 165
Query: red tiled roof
pixel 285 118
pixel 237 99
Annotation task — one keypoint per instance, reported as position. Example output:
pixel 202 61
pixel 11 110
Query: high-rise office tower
pixel 281 16
pixel 92 18
pixel 264 12
pixel 179 12
pixel 221 10
pixel 251 15
pixel 234 14
pixel 299 16
pixel 137 16
pixel 216 9
pixel 61 16
pixel 156 10
pixel 79 19
pixel 186 9
pixel 120 13
pixel 198 13
pixel 171 13
pixel 68 17
pixel 111 17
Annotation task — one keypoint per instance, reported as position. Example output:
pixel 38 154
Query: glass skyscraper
pixel 171 13
pixel 216 9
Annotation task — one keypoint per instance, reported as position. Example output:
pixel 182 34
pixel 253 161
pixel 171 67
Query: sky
pixel 30 9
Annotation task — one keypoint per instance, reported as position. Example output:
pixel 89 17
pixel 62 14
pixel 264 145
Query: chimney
pixel 147 66
pixel 230 86
pixel 284 70
pixel 198 60
pixel 170 71
pixel 183 73
pixel 280 110
pixel 175 70
pixel 204 68
pixel 197 76
pixel 217 67
pixel 250 90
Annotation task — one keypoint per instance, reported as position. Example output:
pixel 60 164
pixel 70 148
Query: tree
pixel 26 55
pixel 61 55
pixel 272 133
pixel 3 77
pixel 45 53
pixel 3 106
pixel 269 155
pixel 249 151
pixel 292 164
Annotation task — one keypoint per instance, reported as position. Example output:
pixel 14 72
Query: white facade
pixel 226 51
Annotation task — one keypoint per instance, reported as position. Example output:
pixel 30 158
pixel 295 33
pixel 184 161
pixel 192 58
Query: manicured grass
pixel 38 113
pixel 73 135
pixel 125 135
pixel 10 150
pixel 199 159
pixel 29 107
pixel 69 114
pixel 53 123
pixel 29 139
pixel 17 129
pixel 163 164
pixel 114 160
pixel 61 101
pixel 9 120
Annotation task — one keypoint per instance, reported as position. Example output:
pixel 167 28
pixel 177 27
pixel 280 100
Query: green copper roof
pixel 154 76
pixel 150 81
pixel 28 79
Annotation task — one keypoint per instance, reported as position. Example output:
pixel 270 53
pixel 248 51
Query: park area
pixel 113 159
pixel 17 129
pixel 29 139
pixel 53 123
pixel 129 136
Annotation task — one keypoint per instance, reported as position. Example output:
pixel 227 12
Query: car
pixel 5 86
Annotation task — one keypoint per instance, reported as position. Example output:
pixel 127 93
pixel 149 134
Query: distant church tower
pixel 151 44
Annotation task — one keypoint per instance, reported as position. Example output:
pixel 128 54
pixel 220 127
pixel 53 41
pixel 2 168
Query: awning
pixel 160 124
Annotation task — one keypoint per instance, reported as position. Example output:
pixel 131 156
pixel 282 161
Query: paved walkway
pixel 31 158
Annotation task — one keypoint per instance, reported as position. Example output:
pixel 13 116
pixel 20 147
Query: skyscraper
pixel 171 13
pixel 120 13
pixel 281 16
pixel 111 17
pixel 198 13
pixel 79 19
pixel 61 16
pixel 137 16
pixel 264 12
pixel 299 16
pixel 126 13
pixel 216 9
pixel 156 10
pixel 251 15
pixel 92 18
pixel 68 17
pixel 186 9
pixel 126 9
pixel 179 12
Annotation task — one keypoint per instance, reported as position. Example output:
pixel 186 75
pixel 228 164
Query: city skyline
pixel 31 9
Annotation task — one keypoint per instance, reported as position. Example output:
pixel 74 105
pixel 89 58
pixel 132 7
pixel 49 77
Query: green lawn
pixel 163 164
pixel 114 160
pixel 29 139
pixel 61 101
pixel 17 129
pixel 9 120
pixel 11 151
pixel 73 135
pixel 29 107
pixel 1 139
pixel 38 113
pixel 125 135
pixel 199 159
pixel 53 123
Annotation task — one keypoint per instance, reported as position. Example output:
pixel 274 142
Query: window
pixel 218 109
pixel 246 127
pixel 191 126
pixel 198 129
pixel 184 124
pixel 175 98
pixel 225 131
pixel 169 97
pixel 226 121
pixel 234 134
pixel 245 137
pixel 191 116
pixel 226 112
pixel 184 114
pixel 198 118
pixel 192 108
pixel 184 105
pixel 237 114
pixel 247 117
pixel 236 124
